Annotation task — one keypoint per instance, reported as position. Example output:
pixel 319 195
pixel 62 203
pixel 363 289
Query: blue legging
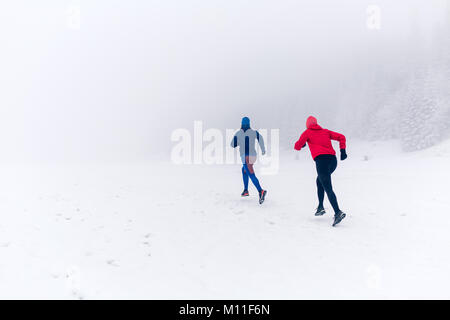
pixel 247 171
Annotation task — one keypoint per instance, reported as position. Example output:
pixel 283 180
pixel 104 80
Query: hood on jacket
pixel 245 124
pixel 311 123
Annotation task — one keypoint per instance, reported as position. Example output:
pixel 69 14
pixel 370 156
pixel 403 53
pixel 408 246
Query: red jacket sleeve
pixel 301 142
pixel 338 137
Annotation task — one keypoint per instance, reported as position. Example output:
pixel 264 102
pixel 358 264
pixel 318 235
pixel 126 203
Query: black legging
pixel 325 165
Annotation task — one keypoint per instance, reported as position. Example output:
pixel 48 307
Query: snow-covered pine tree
pixel 419 127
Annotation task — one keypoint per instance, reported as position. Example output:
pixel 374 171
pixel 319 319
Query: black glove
pixel 343 154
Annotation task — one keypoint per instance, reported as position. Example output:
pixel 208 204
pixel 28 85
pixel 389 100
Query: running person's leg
pixel 320 193
pixel 245 177
pixel 320 211
pixel 251 173
pixel 333 166
pixel 338 215
pixel 325 165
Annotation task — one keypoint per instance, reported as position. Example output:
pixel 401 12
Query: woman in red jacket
pixel 319 142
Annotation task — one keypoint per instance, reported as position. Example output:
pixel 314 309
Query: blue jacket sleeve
pixel 234 142
pixel 261 142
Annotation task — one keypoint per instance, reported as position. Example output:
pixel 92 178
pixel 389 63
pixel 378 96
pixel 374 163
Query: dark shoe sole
pixel 320 213
pixel 261 199
pixel 335 223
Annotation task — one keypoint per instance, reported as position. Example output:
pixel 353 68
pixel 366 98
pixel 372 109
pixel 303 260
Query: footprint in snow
pixel 73 282
pixel 112 263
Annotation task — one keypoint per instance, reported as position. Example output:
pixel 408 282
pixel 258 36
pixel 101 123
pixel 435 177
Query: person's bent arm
pixel 261 142
pixel 338 137
pixel 342 143
pixel 234 142
pixel 301 143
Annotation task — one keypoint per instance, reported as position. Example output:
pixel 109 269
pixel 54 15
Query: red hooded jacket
pixel 319 139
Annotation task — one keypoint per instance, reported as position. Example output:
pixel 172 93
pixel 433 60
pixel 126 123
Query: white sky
pixel 138 69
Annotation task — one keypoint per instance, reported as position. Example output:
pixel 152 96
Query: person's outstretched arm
pixel 301 143
pixel 342 143
pixel 261 142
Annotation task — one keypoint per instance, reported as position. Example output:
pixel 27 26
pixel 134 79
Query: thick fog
pixel 112 82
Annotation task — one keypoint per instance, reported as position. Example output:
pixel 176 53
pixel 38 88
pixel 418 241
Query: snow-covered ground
pixel 157 230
